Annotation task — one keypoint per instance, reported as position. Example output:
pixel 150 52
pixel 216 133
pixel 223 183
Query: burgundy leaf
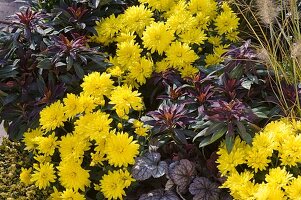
pixel 204 189
pixel 182 174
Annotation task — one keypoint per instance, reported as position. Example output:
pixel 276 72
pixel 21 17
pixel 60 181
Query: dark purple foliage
pixel 169 116
pixel 234 110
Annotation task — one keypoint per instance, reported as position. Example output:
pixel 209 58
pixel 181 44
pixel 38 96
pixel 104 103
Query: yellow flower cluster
pixel 64 158
pixel 268 169
pixel 158 35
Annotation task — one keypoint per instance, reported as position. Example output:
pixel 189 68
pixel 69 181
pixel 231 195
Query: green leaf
pixel 180 136
pixel 211 139
pixel 210 130
pixel 8 71
pixel 214 127
pixel 205 142
pixel 229 143
pixel 79 70
pixel 243 132
pixel 217 135
pixel 69 62
pixel 260 112
pixel 237 72
pixel 45 64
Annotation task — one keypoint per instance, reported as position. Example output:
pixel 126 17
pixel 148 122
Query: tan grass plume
pixel 267 11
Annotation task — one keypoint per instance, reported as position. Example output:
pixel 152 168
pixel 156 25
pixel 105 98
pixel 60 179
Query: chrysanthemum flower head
pixel 123 99
pixel 25 176
pixel 141 70
pixel 156 37
pixel 29 136
pixel 71 194
pixel 47 145
pixel 43 175
pixel 121 150
pixel 112 186
pixel 52 116
pixel 97 85
pixel 180 54
pixel 71 106
pixel 73 176
pixel 136 18
pixel 73 147
pixel 208 7
pixel 127 53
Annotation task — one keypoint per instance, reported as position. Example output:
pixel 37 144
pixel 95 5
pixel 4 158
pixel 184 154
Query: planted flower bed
pixel 151 100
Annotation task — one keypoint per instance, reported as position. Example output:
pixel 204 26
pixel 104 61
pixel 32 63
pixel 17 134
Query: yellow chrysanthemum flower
pixel 266 192
pixel 188 71
pixel 72 106
pixel 29 136
pixel 156 37
pixel 141 70
pixel 43 175
pixel 293 190
pixel 25 176
pixel 121 150
pixel 181 21
pixel 194 36
pixel 112 186
pixel 46 145
pixel 258 159
pixel 71 194
pixel 55 195
pixel 232 36
pixel 279 130
pixel 73 176
pixel 202 21
pixel 278 177
pixel 215 40
pixel 161 66
pixel 73 147
pixel 52 116
pixel 42 158
pixel 159 4
pixel 97 158
pixel 124 99
pixel 125 37
pixel 208 7
pixel 115 71
pixel 180 54
pixel 87 103
pixel 228 161
pixel 107 29
pixel 240 185
pixel 290 151
pixel 212 59
pixel 126 178
pixel 97 86
pixel 128 53
pixel 226 22
pixel 93 125
pixel 136 18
